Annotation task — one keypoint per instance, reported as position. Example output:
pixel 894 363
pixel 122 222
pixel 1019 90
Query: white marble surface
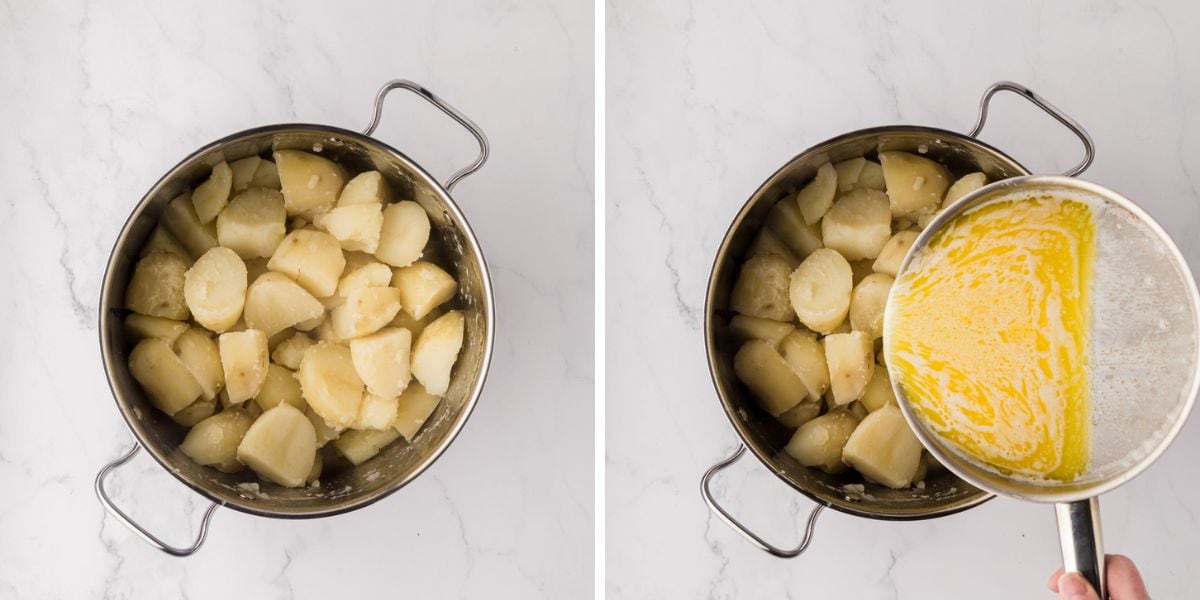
pixel 705 100
pixel 98 99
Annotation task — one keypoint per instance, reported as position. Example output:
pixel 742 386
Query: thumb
pixel 1072 586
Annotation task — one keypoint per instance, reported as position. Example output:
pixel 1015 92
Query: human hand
pixel 1124 582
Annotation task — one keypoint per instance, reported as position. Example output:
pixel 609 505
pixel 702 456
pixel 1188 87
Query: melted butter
pixel 987 335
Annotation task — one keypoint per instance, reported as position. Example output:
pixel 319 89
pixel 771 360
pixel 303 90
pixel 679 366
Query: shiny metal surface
pixel 1089 148
pixel 348 488
pixel 1081 542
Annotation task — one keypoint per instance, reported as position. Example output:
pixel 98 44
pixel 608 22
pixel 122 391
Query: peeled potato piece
pixel 215 289
pixel 366 188
pixel 195 412
pixel 884 448
pixel 214 441
pixel 744 327
pixel 325 432
pixel 382 360
pixel 848 172
pixel 800 414
pixel 376 412
pixel 365 311
pixel 858 224
pixel 324 333
pixel 871 177
pixel 893 252
pixel 820 290
pixel 274 302
pixel 766 243
pixel 243 171
pixel 774 384
pixel 139 327
pixel 851 363
pixel 436 351
pixel 253 224
pixel 281 446
pixel 330 384
pixel 416 326
pixel 312 258
pixel 761 289
pixel 200 355
pixel 156 288
pixel 266 175
pixel 289 352
pixel 310 183
pixel 879 390
pixel 787 223
pixel 404 234
pixel 915 184
pixel 806 356
pixel 244 360
pixel 356 227
pixel 280 385
pixel 965 185
pixel 179 217
pixel 360 445
pixel 161 240
pixel 867 302
pixel 212 195
pixel 816 197
pixel 423 287
pixel 314 475
pixel 819 443
pixel 413 409
pixel 166 380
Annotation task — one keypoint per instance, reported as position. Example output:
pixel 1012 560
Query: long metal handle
pixel 737 526
pixel 138 529
pixel 452 112
pixel 1089 148
pixel 1079 536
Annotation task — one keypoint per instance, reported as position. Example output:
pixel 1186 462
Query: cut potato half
pixel 915 184
pixel 369 187
pixel 761 289
pixel 313 258
pixel 787 223
pixel 893 252
pixel 211 196
pixel 274 303
pixel 773 382
pixel 404 233
pixel 851 361
pixel 436 351
pixel 330 384
pixel 819 442
pixel 365 311
pixel 806 356
pixel 179 217
pixel 253 224
pixel 280 446
pixel 415 406
pixel 360 445
pixel 858 224
pixel 744 327
pixel 289 352
pixel 965 185
pixel 138 326
pixel 244 361
pixel 310 183
pixel 820 290
pixel 200 355
pixel 168 383
pixel 156 288
pixel 815 198
pixel 215 289
pixel 356 226
pixel 423 287
pixel 214 441
pixel 867 302
pixel 884 449
pixel 382 360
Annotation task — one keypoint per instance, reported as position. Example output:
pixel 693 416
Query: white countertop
pixel 705 101
pixel 100 99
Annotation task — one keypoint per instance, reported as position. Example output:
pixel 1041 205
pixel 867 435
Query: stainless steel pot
pixel 399 463
pixel 944 492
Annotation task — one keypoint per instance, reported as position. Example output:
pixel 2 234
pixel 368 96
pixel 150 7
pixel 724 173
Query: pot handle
pixel 450 111
pixel 1089 148
pixel 1079 536
pixel 737 526
pixel 138 529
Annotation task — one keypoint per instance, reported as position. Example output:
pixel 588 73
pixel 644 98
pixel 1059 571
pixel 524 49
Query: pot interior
pixel 944 493
pixel 342 486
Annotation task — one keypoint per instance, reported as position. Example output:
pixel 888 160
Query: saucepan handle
pixel 1079 536
pixel 717 509
pixel 1089 148
pixel 133 525
pixel 443 106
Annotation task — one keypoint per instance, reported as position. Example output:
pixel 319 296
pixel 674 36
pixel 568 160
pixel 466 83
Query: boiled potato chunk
pixel 310 183
pixel 166 380
pixel 161 240
pixel 313 258
pixel 893 252
pixel 413 409
pixel 243 171
pixel 404 233
pixel 289 352
pixel 819 442
pixel 266 175
pixel 766 243
pixel 858 224
pixel 274 302
pixel 365 311
pixel 376 412
pixel 382 360
pixel 879 391
pixel 915 184
pixel 314 475
pixel 867 302
pixel 744 327
pixel 800 414
pixel 214 441
pixel 281 446
pixel 816 197
pixel 787 223
pixel 357 277
pixel 330 384
pixel 774 384
pixel 195 412
pixel 244 360
pixel 139 327
pixel 436 351
pixel 200 355
pixel 851 361
pixel 180 219
pixel 211 196
pixel 416 326
pixel 848 172
pixel 820 290
pixel 965 185
pixel 280 386
pixel 761 289
pixel 156 288
pixel 366 188
pixel 884 449
pixel 324 333
pixel 423 287
pixel 359 445
pixel 356 227
pixel 325 432
pixel 871 177
pixel 215 289
pixel 253 224
pixel 806 356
